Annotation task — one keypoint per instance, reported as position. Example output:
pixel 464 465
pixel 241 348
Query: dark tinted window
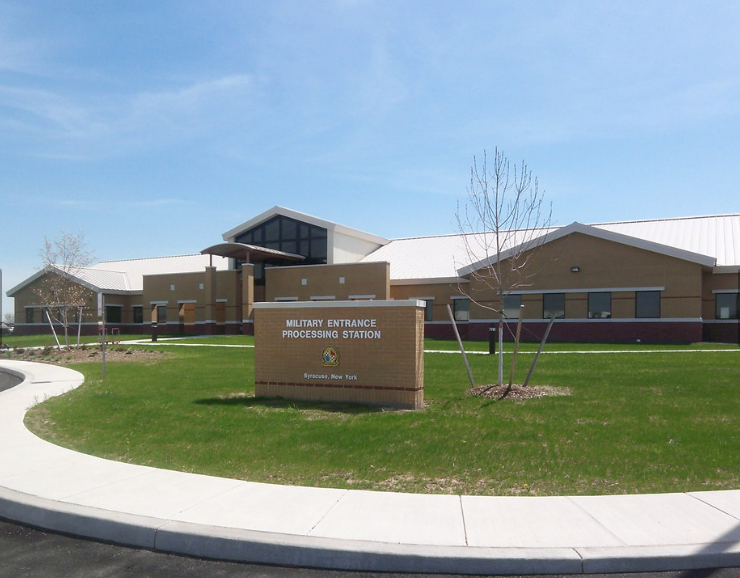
pixel 647 304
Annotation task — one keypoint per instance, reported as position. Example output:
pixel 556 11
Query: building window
pixel 113 313
pixel 428 305
pixel 512 306
pixel 30 315
pixel 159 314
pixel 647 304
pixel 600 305
pixel 290 236
pixel 727 305
pixel 138 311
pixel 553 306
pixel 461 309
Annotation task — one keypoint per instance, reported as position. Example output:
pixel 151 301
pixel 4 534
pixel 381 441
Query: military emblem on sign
pixel 330 357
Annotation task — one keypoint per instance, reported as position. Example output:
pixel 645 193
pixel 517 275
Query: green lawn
pixel 48 340
pixel 649 421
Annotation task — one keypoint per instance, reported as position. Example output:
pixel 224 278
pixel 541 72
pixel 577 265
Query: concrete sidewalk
pixel 53 488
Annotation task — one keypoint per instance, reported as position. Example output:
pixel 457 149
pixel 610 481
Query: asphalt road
pixel 8 380
pixel 30 553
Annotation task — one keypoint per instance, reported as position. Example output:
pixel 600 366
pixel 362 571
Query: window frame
pixel 645 294
pixel 548 296
pixel 736 305
pixel 593 308
pixel 137 314
pixel 517 297
pixel 461 314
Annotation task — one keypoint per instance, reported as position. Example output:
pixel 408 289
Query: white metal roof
pixel 710 241
pixel 135 269
pixel 125 276
pixel 715 236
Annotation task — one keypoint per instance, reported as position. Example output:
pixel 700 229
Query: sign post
pixel 101 325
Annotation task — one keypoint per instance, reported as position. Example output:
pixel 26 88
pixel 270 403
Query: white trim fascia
pixel 158 302
pixel 10 292
pixel 593 321
pixel 114 305
pixel 431 281
pixel 459 297
pixel 328 225
pixel 725 269
pixel 714 291
pixel 222 300
pixel 319 265
pixel 576 227
pixel 79 281
pixel 183 301
pixel 323 297
pixel 587 290
pixel 285 299
pixel 339 304
pixel 361 296
pixel 542 239
pixel 723 321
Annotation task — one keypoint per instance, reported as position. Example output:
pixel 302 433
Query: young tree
pixel 63 259
pixel 503 223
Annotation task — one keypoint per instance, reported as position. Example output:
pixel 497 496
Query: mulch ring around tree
pixel 518 392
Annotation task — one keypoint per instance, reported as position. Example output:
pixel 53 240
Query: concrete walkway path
pixel 57 489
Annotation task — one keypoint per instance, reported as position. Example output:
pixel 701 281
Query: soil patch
pixel 84 354
pixel 516 391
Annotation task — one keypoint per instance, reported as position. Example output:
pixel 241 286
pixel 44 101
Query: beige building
pixel 670 280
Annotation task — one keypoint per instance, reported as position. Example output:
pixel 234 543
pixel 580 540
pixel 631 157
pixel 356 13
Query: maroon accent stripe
pixel 338 386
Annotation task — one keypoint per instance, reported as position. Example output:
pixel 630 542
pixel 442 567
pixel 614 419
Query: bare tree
pixel 504 222
pixel 60 291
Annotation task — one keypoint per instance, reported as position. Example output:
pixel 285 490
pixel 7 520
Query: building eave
pixel 277 210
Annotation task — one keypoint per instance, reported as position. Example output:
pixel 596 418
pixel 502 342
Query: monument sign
pixel 358 351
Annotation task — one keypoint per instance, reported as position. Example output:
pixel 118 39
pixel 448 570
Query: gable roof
pixel 712 241
pixel 231 234
pixel 128 276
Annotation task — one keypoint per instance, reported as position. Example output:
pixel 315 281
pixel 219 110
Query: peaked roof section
pixel 128 276
pixel 715 236
pixel 282 211
pixel 712 241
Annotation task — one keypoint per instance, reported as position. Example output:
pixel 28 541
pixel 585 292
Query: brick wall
pixel 365 352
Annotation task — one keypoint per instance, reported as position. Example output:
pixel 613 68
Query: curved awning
pixel 250 253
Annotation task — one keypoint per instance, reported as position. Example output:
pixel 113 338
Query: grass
pixel 48 340
pixel 633 422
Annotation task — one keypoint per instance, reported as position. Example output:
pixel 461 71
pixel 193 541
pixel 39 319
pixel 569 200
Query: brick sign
pixel 358 351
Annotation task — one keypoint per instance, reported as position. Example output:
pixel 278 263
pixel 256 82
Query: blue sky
pixel 156 126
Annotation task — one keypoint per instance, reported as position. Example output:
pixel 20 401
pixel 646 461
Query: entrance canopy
pixel 250 253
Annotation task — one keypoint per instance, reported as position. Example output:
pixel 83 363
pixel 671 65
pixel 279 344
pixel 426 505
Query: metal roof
pixel 135 269
pixel 715 236
pixel 712 241
pixel 250 253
